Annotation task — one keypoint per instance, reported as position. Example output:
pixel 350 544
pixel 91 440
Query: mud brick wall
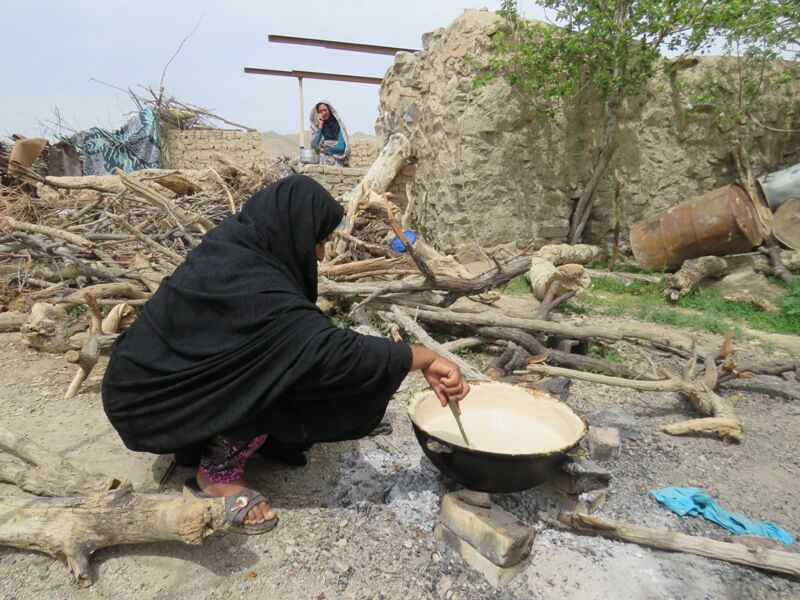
pixel 195 148
pixel 338 180
pixel 362 152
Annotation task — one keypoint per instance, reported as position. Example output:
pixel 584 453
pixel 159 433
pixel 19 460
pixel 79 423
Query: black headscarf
pixel 330 127
pixel 234 337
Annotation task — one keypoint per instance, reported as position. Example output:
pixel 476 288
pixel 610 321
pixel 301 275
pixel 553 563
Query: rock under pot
pixel 519 437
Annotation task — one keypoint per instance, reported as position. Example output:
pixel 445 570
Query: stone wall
pixel 487 170
pixel 195 148
pixel 338 180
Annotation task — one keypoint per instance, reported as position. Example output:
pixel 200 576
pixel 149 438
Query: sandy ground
pixel 357 521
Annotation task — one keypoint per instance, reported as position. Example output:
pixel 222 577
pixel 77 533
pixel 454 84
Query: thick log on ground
pixel 73 528
pixel 776 561
pixel 692 272
pixel 98 512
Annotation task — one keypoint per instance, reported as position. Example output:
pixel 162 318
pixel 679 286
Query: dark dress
pixel 232 343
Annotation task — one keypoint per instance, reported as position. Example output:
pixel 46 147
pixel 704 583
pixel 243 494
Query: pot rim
pixel 418 397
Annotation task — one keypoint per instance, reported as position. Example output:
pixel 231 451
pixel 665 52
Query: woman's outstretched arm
pixel 443 375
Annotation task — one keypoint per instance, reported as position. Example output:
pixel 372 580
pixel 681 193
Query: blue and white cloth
pixel 695 502
pixel 136 145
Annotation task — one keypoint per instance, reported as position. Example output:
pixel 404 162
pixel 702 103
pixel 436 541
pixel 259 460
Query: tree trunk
pixel 609 146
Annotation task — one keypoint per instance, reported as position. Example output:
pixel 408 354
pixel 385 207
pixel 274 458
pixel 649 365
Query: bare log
pixel 776 561
pixel 404 320
pixel 692 272
pixel 625 278
pixel 727 428
pixel 117 318
pixel 105 290
pixel 463 343
pixel 455 286
pixel 74 528
pixel 391 159
pixel 43 472
pixel 90 351
pixel 661 337
pixel 12 321
pixel 778 389
pixel 360 266
pixel 48 328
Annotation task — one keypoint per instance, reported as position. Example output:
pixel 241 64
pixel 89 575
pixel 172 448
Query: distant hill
pixel 277 144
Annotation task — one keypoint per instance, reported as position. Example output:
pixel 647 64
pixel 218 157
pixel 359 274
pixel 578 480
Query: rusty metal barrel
pixel 717 223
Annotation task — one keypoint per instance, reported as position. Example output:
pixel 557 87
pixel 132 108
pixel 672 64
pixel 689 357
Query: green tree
pixel 614 48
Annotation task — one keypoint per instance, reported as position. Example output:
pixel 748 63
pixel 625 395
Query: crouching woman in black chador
pixel 231 351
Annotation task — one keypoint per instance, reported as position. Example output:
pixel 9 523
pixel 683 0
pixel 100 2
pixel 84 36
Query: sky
pixel 56 52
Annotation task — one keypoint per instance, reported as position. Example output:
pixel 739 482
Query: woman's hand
pixel 444 376
pixel 320 122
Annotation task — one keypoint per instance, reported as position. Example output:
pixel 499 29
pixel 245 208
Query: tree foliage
pixel 617 46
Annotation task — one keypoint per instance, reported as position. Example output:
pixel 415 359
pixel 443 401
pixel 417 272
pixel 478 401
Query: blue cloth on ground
pixel 136 145
pixel 694 502
pixel 397 243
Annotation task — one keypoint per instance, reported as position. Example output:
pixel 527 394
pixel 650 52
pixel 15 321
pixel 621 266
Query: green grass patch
pixel 604 352
pixel 470 350
pixel 786 321
pixel 519 286
pixel 703 309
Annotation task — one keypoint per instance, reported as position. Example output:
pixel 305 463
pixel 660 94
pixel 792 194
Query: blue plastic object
pixel 397 244
pixel 694 502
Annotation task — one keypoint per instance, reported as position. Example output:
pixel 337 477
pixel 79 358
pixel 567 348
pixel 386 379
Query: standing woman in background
pixel 329 135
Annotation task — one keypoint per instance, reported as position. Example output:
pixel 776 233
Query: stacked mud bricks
pixel 196 148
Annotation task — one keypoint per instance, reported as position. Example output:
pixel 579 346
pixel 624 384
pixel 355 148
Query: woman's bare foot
pixel 257 515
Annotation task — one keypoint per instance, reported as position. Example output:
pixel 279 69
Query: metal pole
pixel 302 116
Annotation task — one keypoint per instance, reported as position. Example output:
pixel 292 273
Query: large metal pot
pixel 519 436
pixel 309 156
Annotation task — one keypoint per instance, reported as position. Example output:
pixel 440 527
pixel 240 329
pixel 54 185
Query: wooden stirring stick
pixel 454 409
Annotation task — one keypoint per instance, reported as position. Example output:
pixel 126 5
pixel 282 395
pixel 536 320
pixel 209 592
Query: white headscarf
pixel 313 116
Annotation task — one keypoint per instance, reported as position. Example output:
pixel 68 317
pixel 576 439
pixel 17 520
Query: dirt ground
pixel 356 522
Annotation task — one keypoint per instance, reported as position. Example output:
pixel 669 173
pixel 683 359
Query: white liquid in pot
pixel 502 432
